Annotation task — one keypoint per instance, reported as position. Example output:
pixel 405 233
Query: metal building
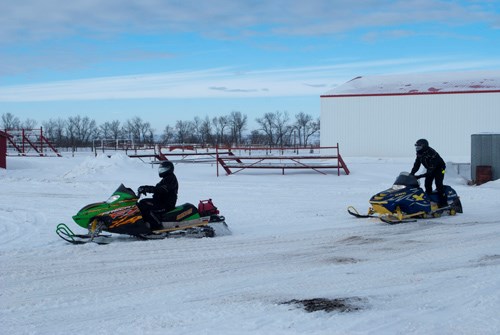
pixel 383 116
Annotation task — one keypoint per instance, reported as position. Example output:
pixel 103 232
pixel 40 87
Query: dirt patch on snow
pixel 343 260
pixel 360 240
pixel 342 305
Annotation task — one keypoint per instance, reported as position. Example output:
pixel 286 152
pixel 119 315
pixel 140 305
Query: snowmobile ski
pixel 67 234
pixel 354 212
pixel 391 219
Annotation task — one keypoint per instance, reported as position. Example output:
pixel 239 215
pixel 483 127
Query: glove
pixel 418 176
pixel 141 190
pixel 145 189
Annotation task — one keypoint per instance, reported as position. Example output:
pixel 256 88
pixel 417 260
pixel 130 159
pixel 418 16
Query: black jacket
pixel 165 192
pixel 430 159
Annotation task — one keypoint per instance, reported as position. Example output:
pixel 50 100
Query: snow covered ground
pixel 292 239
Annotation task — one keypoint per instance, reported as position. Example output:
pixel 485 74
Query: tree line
pixel 274 129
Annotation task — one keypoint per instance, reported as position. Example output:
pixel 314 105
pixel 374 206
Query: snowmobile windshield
pixel 126 190
pixel 406 179
pixel 121 189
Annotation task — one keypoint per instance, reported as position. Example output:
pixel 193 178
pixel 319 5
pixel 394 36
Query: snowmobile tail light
pixel 113 198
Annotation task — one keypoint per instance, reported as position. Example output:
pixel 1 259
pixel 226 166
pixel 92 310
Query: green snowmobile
pixel 121 215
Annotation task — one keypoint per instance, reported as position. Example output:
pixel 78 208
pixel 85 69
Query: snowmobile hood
pixel 122 197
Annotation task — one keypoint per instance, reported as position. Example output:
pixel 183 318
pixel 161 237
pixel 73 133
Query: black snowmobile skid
pixel 67 234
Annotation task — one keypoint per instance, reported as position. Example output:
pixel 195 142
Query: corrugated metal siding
pixel 389 125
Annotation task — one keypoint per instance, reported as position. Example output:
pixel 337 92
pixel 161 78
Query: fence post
pixel 217 158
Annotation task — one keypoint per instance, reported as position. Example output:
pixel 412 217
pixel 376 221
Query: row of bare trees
pixel 274 129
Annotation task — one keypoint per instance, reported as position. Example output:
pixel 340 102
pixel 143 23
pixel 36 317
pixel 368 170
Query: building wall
pixel 388 126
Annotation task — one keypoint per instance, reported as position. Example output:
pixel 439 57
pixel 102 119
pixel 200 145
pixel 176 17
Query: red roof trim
pixel 402 94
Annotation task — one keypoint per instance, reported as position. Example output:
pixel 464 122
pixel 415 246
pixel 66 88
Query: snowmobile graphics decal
pixel 419 197
pixel 127 215
pixel 184 214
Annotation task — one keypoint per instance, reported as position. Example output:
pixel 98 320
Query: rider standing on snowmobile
pixel 435 166
pixel 164 194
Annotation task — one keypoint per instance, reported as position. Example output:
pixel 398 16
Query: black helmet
pixel 421 144
pixel 165 168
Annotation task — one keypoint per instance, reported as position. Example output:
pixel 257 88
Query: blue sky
pixel 174 60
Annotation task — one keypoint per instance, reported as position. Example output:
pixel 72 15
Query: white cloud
pixel 226 82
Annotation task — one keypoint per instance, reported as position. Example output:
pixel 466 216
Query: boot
pixel 443 200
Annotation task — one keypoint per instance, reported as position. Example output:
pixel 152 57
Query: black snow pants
pixel 437 176
pixel 147 206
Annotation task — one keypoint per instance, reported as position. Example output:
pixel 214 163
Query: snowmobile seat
pixel 179 213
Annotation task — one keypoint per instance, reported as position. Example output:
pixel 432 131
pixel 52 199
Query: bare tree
pixel 238 123
pixel 87 130
pixel 302 120
pixel 105 131
pixel 310 129
pixel 196 125
pixel 168 135
pixel 138 130
pixel 81 130
pixel 184 131
pixel 111 131
pixel 115 130
pixel 266 124
pixel 9 121
pixel 256 137
pixel 282 128
pixel 71 133
pixel 220 124
pixel 54 130
pixel 29 124
pixel 205 131
pixel 146 132
pixel 276 126
pixel 59 125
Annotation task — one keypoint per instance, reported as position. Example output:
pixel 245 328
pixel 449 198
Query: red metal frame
pixel 228 160
pixel 37 145
pixel 3 149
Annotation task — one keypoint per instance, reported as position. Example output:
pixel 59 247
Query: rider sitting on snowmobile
pixel 435 166
pixel 164 195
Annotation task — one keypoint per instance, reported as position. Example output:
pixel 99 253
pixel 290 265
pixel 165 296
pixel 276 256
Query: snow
pixel 420 83
pixel 292 239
